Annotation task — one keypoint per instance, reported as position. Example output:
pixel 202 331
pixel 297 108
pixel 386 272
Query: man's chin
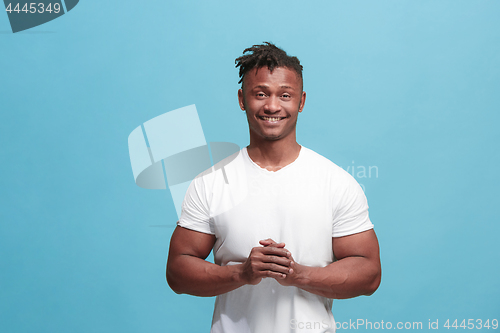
pixel 264 135
pixel 272 137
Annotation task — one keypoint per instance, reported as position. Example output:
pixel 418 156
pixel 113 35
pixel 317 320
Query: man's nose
pixel 273 105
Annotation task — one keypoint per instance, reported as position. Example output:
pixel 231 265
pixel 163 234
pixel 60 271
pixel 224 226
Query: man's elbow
pixel 374 284
pixel 173 282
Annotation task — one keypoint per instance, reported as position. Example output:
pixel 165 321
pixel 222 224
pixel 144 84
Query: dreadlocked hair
pixel 266 55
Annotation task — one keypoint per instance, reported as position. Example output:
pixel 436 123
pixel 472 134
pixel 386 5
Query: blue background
pixel 410 87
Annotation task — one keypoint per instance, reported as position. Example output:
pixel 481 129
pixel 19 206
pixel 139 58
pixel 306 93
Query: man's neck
pixel 273 155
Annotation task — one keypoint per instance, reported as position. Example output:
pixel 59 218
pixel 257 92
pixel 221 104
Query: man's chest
pixel 294 212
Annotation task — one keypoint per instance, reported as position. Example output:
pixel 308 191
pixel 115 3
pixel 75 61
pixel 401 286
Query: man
pixel 289 229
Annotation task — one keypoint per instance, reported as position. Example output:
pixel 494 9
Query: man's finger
pixel 267 242
pixel 276 269
pixel 270 242
pixel 281 261
pixel 275 251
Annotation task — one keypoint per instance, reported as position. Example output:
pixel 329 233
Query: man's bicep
pixel 362 244
pixel 189 242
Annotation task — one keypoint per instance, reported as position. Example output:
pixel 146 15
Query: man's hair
pixel 266 55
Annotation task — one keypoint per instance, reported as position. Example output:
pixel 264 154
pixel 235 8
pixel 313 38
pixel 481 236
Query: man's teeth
pixel 271 118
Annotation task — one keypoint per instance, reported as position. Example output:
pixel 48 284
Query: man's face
pixel 272 102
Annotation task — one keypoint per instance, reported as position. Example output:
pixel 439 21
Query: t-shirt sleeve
pixel 351 214
pixel 195 212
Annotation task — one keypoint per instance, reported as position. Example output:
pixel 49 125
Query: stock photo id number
pixel 471 324
pixel 33 8
pixel 25 15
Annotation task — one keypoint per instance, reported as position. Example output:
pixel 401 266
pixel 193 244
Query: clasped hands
pixel 270 260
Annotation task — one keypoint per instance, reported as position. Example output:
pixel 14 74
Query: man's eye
pixel 286 95
pixel 261 94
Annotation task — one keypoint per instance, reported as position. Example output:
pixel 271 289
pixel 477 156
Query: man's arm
pixel 188 271
pixel 356 272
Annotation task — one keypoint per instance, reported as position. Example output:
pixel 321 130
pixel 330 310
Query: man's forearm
pixel 346 278
pixel 191 275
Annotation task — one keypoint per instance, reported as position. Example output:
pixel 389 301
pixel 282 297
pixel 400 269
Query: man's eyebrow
pixel 264 86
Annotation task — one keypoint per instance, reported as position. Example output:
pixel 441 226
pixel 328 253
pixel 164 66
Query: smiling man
pixel 289 229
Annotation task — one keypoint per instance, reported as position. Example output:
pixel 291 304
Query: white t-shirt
pixel 304 205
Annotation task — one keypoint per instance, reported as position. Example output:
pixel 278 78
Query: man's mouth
pixel 271 119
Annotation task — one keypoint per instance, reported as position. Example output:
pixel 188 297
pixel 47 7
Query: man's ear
pixel 302 101
pixel 241 99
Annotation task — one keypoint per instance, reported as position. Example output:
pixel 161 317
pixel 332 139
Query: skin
pixel 277 94
pixel 273 145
